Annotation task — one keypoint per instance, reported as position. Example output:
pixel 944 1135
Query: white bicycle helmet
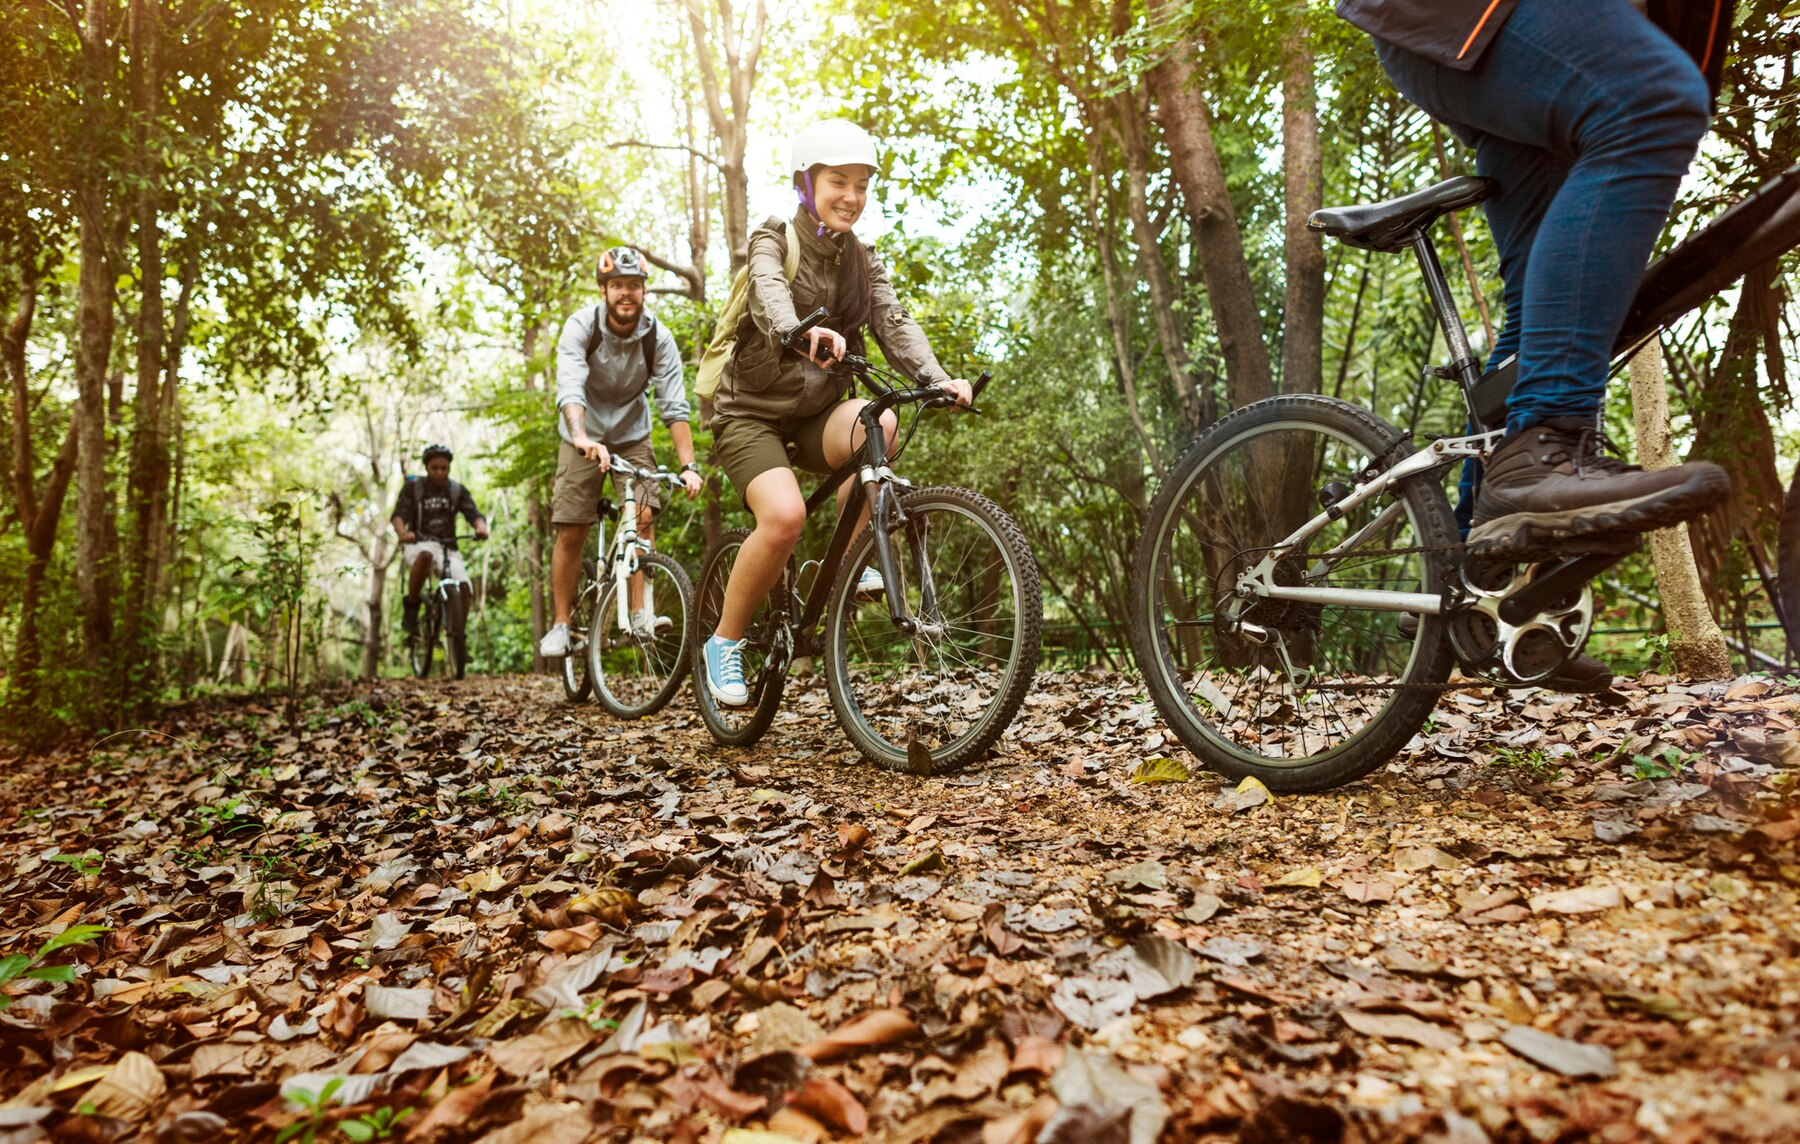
pixel 833 143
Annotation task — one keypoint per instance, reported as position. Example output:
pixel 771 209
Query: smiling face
pixel 624 302
pixel 840 194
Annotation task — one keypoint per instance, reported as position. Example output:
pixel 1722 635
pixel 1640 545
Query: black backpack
pixel 648 344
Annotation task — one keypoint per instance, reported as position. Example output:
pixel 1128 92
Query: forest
pixel 254 256
pixel 258 883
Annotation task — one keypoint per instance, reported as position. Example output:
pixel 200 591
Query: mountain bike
pixel 441 613
pixel 1300 592
pixel 927 675
pixel 628 629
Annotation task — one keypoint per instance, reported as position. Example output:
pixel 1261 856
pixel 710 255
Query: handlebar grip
pixel 806 324
pixel 980 384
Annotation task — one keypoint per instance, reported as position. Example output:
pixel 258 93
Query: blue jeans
pixel 1587 114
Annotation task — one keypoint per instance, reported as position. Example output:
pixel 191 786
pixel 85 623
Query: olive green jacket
pixel 768 383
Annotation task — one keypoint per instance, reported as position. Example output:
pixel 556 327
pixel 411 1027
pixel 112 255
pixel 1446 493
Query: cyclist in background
pixel 425 519
pixel 774 402
pixel 1587 115
pixel 608 360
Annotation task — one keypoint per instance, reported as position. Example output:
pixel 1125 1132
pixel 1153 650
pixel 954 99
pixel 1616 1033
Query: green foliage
pixel 1531 762
pixel 381 1124
pixel 30 966
pixel 314 1106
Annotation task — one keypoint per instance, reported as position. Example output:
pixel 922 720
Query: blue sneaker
pixel 869 585
pixel 725 672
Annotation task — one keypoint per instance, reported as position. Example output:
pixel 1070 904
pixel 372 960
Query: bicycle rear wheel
pixel 424 644
pixel 636 672
pixel 1332 691
pixel 969 580
pixel 576 680
pixel 767 648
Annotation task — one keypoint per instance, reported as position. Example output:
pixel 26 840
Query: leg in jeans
pixel 1587 115
pixel 1597 93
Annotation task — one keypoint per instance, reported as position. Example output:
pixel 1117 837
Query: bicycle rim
pixel 764 648
pixel 637 670
pixel 1304 696
pixel 936 700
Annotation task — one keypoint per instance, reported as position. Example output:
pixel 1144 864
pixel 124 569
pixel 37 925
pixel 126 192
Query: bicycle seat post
pixel 1463 365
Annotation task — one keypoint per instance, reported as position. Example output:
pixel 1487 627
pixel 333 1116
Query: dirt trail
pixel 499 917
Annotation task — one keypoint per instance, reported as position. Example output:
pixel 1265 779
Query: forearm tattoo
pixel 575 417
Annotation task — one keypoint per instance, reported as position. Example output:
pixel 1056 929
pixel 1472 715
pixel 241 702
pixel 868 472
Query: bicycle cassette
pixel 1529 652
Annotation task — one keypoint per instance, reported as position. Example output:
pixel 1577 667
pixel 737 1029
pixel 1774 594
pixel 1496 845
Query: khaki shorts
pixel 746 447
pixel 446 563
pixel 575 498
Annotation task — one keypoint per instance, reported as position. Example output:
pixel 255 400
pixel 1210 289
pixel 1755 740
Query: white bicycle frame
pixel 1259 580
pixel 627 549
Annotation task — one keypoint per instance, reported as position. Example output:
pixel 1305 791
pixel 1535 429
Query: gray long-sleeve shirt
pixel 611 385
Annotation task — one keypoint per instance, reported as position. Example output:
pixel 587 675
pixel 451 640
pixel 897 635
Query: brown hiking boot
pixel 1549 493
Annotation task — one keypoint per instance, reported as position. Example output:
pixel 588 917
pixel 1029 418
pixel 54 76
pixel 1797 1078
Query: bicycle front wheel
pixel 456 649
pixel 576 680
pixel 767 648
pixel 637 668
pixel 936 699
pixel 422 646
pixel 1304 696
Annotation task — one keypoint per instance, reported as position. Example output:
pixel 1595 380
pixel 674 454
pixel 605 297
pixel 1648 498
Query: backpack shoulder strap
pixel 649 345
pixel 593 342
pixel 790 262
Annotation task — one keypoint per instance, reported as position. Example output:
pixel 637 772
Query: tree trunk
pixel 376 637
pixel 1169 334
pixel 741 49
pixel 1194 158
pixel 147 483
pixel 1303 308
pixel 1695 641
pixel 93 351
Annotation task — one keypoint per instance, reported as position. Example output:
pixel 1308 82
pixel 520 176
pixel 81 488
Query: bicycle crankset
pixel 1532 649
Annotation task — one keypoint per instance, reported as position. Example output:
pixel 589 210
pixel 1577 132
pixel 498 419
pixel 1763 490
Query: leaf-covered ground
pixel 471 911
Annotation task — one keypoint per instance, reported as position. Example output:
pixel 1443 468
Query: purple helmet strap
pixel 803 186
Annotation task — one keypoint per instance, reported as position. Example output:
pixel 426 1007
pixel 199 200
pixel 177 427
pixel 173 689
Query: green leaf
pixel 74 935
pixel 357 1130
pixel 52 973
pixel 1161 770
pixel 290 1132
pixel 12 965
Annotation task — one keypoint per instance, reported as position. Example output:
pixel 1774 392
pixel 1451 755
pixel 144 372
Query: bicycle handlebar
pixel 660 476
pixel 806 323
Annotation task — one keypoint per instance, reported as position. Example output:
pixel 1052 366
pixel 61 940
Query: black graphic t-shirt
pixel 431 509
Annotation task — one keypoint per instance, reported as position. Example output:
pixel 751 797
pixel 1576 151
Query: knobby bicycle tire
pixel 765 662
pixel 645 672
pixel 576 680
pixel 954 686
pixel 456 632
pixel 424 645
pixel 1241 486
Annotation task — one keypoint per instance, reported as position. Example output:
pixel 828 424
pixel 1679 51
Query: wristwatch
pixel 691 467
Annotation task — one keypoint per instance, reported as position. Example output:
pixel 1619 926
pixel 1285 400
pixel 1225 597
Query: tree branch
pixel 694 151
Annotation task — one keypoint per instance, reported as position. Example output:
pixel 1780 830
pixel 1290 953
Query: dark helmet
pixel 619 262
pixel 436 451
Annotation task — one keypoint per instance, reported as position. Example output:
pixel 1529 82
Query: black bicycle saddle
pixel 1391 225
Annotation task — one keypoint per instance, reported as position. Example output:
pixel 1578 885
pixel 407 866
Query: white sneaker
pixel 869 585
pixel 647 627
pixel 555 644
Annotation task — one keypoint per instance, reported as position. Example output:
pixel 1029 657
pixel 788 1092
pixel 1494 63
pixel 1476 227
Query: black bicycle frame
pixel 869 462
pixel 1761 228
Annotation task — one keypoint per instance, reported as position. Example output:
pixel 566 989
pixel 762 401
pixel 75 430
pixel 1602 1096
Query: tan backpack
pixel 724 339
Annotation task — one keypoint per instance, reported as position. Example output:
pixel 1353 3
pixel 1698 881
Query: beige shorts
pixel 446 564
pixel 575 498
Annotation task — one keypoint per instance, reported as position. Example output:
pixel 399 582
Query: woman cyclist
pixel 774 402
